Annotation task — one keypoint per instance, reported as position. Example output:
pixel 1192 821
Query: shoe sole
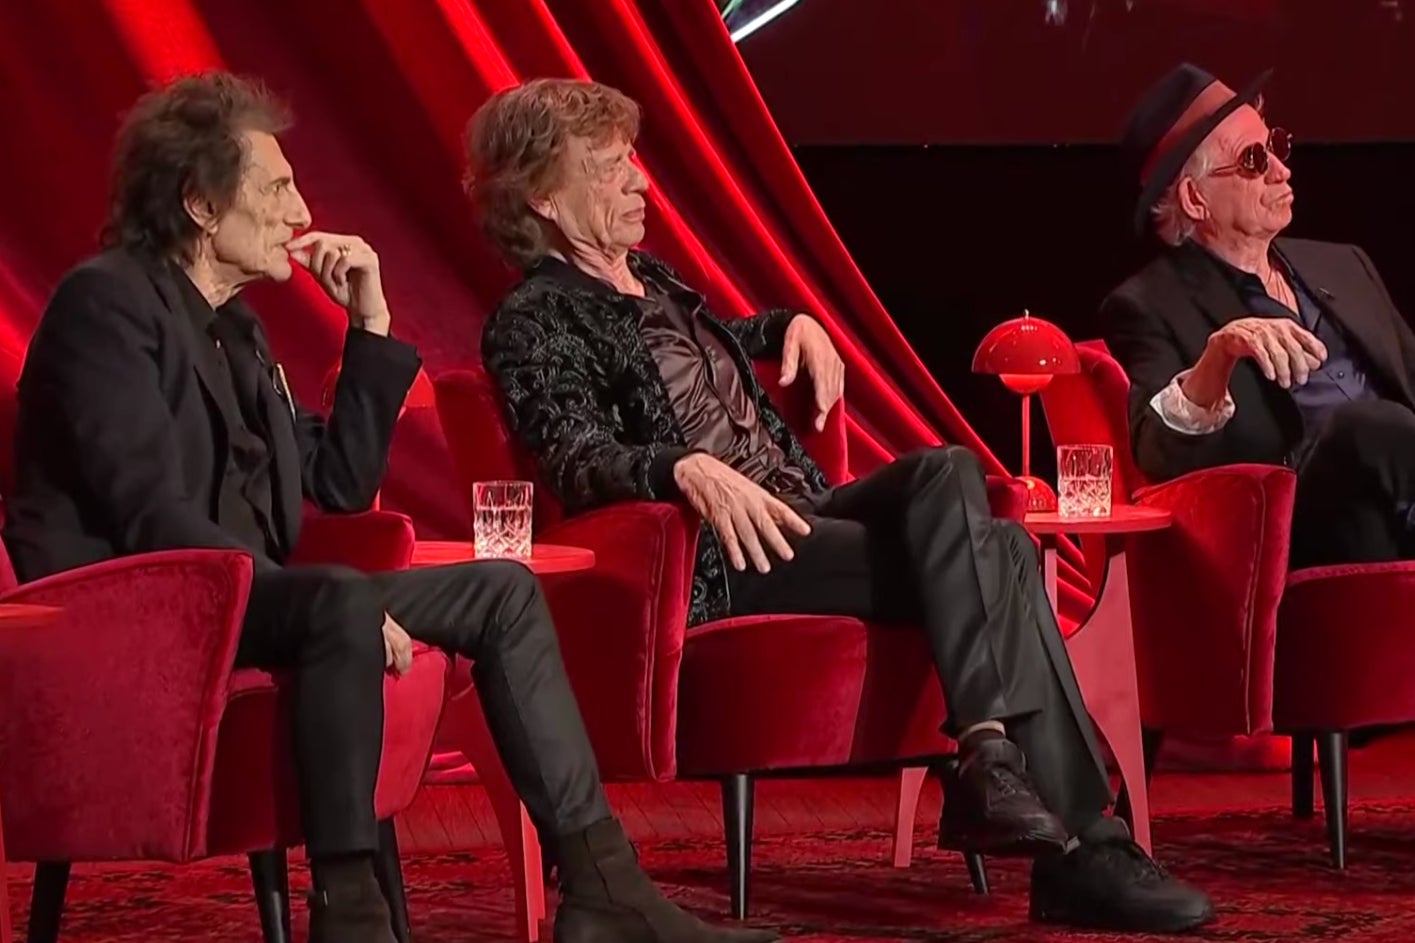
pixel 1063 916
pixel 1025 845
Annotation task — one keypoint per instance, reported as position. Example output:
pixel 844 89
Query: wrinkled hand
pixel 744 515
pixel 1285 351
pixel 346 268
pixel 809 346
pixel 397 647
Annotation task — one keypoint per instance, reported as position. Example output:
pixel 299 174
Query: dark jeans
pixel 915 543
pixel 325 623
pixel 1355 487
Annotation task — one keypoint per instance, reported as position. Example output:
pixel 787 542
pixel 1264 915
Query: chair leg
pixel 737 800
pixel 1150 741
pixel 977 871
pixel 270 878
pixel 906 807
pixel 389 870
pixel 1331 758
pixel 51 880
pixel 1302 804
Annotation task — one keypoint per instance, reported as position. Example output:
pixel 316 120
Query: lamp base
pixel 1040 496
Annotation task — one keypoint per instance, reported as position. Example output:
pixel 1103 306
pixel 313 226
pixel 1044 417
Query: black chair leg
pixel 51 880
pixel 1331 758
pixel 1302 799
pixel 737 800
pixel 977 871
pixel 389 869
pixel 270 878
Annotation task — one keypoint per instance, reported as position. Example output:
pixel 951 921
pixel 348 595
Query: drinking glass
pixel 1083 480
pixel 501 519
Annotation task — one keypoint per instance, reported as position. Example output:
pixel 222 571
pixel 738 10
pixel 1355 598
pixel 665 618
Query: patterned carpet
pixel 1268 874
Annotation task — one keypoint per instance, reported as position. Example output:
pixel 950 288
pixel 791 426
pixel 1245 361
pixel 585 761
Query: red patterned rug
pixel 1268 875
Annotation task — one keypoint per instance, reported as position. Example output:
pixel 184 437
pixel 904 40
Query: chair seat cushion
pixel 1346 648
pixel 254 803
pixel 787 692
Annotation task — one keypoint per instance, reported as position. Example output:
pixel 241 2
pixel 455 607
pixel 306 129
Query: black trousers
pixel 326 623
pixel 1355 486
pixel 915 543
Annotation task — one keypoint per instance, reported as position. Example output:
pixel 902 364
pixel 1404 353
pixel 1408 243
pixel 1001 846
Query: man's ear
pixel 202 211
pixel 1191 201
pixel 544 207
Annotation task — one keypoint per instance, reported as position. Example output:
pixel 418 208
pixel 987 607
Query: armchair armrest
pixel 1205 597
pixel 108 718
pixel 621 627
pixel 371 541
pixel 1007 497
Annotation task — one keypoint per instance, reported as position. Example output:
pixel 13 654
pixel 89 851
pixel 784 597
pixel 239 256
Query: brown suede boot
pixel 605 897
pixel 347 905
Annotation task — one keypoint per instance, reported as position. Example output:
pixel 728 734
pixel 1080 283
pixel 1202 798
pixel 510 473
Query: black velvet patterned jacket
pixel 584 396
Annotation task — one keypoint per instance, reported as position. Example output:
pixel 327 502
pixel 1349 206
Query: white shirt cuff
pixel 1182 414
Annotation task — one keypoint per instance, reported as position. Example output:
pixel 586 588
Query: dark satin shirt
pixel 707 394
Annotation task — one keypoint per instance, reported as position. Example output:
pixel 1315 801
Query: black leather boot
pixel 990 806
pixel 605 897
pixel 347 905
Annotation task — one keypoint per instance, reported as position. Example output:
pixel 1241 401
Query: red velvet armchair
pixel 126 734
pixel 1228 642
pixel 651 689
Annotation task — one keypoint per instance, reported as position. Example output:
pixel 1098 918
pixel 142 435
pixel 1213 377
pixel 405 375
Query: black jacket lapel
pixel 164 280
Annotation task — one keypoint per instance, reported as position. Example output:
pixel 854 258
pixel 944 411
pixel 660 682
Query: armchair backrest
pixel 1092 407
pixel 470 411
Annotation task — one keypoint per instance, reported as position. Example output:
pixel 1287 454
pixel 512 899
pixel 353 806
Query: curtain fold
pixel 382 90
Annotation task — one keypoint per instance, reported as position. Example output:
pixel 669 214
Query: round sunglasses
pixel 1253 159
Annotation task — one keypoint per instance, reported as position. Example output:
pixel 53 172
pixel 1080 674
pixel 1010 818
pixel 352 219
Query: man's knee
pixel 947 460
pixel 519 603
pixel 1369 430
pixel 345 613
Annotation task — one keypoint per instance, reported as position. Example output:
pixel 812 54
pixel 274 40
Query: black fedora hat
pixel 1169 123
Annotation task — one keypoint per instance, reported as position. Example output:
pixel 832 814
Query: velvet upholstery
pixel 652 690
pixel 127 734
pixel 1336 671
pixel 1205 591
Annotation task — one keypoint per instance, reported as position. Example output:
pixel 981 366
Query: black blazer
pixel 585 398
pixel 1157 323
pixel 120 446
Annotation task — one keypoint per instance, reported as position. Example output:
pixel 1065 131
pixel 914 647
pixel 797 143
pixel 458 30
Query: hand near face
pixel 347 269
pixel 809 346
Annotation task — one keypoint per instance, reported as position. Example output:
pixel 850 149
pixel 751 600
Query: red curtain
pixel 382 90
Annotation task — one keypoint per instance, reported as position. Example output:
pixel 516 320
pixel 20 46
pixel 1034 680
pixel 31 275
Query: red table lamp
pixel 1026 353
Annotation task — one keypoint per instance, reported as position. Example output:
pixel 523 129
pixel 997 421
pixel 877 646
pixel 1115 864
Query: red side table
pixel 18 616
pixel 1105 639
pixel 465 725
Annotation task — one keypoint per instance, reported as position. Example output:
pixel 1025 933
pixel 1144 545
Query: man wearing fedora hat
pixel 1242 346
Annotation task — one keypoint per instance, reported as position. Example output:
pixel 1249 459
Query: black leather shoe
pixel 1108 883
pixel 605 897
pixel 990 807
pixel 353 912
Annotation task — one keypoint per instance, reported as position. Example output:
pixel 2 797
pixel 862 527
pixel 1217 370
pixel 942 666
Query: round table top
pixel 1122 519
pixel 545 558
pixel 25 616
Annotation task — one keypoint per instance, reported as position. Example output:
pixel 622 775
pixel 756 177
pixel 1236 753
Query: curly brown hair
pixel 181 140
pixel 514 145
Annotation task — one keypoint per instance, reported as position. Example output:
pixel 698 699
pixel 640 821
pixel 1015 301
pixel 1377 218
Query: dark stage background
pixel 963 149
pixel 954 239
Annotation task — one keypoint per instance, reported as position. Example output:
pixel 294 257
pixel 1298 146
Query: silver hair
pixel 1171 223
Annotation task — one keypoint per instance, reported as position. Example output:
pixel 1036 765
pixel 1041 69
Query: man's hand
pixel 346 268
pixel 808 345
pixel 741 511
pixel 1285 351
pixel 397 647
